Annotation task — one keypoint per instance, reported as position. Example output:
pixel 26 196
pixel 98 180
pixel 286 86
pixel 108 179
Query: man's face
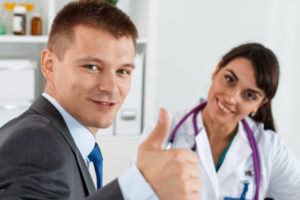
pixel 94 76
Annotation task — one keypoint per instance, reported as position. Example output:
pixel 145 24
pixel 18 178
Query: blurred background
pixel 192 36
pixel 179 46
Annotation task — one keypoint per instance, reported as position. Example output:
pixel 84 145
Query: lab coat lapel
pixel 206 159
pixel 238 152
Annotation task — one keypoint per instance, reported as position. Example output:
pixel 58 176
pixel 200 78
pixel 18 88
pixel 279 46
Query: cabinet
pixel 15 96
pixel 21 80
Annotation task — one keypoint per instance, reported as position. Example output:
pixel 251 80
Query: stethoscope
pixel 195 111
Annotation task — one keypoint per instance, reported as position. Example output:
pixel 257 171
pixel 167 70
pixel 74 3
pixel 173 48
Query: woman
pixel 232 164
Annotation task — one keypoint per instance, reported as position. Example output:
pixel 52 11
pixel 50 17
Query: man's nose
pixel 108 82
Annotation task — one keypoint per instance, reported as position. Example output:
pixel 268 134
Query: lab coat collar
pixel 205 156
pixel 238 152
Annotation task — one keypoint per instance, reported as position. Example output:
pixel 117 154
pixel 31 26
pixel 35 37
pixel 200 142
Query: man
pixel 88 65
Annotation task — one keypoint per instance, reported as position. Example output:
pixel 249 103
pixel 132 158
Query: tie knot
pixel 95 155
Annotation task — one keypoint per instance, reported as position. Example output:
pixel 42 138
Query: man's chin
pixel 94 128
pixel 106 126
pixel 105 123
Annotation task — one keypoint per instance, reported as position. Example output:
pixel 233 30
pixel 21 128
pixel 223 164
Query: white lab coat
pixel 280 170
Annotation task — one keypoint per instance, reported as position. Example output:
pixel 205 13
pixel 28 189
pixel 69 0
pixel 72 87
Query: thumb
pixel 159 133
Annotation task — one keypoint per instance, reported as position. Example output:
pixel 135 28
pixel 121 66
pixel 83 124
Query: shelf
pixel 23 39
pixel 39 39
pixel 141 41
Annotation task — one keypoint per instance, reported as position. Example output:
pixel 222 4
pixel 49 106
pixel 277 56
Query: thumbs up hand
pixel 174 173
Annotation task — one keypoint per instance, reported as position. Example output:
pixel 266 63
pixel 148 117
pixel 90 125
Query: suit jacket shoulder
pixel 39 159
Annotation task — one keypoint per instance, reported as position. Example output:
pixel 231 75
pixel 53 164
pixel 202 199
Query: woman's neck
pixel 218 131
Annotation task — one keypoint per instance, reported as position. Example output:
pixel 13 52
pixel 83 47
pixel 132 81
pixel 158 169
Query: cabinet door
pixel 16 81
pixel 11 109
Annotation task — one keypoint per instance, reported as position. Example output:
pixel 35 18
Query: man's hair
pixel 90 13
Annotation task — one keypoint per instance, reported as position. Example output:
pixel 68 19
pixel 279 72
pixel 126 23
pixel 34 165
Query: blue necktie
pixel 96 157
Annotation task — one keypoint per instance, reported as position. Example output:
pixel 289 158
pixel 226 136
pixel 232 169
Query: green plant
pixel 113 2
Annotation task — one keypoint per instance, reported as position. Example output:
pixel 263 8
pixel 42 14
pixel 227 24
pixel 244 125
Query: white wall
pixel 193 35
pixel 283 35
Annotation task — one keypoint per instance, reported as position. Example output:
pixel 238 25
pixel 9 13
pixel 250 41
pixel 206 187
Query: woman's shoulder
pixel 270 144
pixel 278 164
pixel 261 134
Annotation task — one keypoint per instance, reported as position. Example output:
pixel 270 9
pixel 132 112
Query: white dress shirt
pixel 132 184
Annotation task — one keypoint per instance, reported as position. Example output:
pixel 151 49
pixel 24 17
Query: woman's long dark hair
pixel 266 69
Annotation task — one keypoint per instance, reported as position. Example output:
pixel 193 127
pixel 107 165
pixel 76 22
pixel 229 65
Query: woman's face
pixel 234 94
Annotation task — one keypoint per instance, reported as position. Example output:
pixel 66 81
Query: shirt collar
pixel 84 139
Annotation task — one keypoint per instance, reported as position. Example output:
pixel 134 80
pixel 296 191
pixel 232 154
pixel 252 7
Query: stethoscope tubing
pixel 256 160
pixel 255 155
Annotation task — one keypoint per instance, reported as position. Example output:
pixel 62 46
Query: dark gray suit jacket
pixel 39 159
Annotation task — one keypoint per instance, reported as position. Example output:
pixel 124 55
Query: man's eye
pixel 250 96
pixel 123 71
pixel 92 67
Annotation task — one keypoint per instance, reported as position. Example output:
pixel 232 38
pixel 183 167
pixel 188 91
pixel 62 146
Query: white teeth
pixel 223 107
pixel 104 103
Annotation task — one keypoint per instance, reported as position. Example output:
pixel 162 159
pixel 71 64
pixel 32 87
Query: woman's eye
pixel 250 96
pixel 229 79
pixel 92 67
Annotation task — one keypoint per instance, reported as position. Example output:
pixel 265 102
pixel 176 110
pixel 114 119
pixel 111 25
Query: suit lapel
pixel 45 108
pixel 85 173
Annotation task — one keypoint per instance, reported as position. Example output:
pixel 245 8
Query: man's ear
pixel 216 71
pixel 47 64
